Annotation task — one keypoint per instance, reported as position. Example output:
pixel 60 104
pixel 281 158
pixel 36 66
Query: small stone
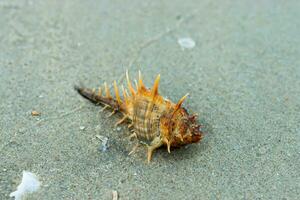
pixel 186 43
pixel 35 113
pixel 118 128
pixel 4 170
pixel 82 128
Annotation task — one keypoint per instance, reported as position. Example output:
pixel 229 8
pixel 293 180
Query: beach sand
pixel 243 76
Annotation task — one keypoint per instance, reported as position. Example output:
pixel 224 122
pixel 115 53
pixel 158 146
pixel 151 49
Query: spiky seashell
pixel 155 120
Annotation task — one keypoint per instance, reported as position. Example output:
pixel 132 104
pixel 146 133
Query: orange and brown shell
pixel 155 121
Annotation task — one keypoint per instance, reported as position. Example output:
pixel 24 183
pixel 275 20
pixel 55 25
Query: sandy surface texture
pixel 239 60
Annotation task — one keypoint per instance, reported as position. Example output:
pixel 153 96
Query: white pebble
pixel 186 43
pixel 82 128
pixel 28 184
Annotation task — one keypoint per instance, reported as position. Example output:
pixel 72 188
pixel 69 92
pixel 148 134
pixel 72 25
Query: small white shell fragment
pixel 114 195
pixel 186 43
pixel 29 184
pixel 104 145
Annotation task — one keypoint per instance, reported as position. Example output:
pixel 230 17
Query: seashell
pixel 154 120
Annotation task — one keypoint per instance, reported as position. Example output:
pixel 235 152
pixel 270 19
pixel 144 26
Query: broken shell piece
pixel 114 195
pixel 28 184
pixel 35 113
pixel 186 43
pixel 104 145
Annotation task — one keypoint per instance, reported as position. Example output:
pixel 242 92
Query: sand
pixel 243 76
